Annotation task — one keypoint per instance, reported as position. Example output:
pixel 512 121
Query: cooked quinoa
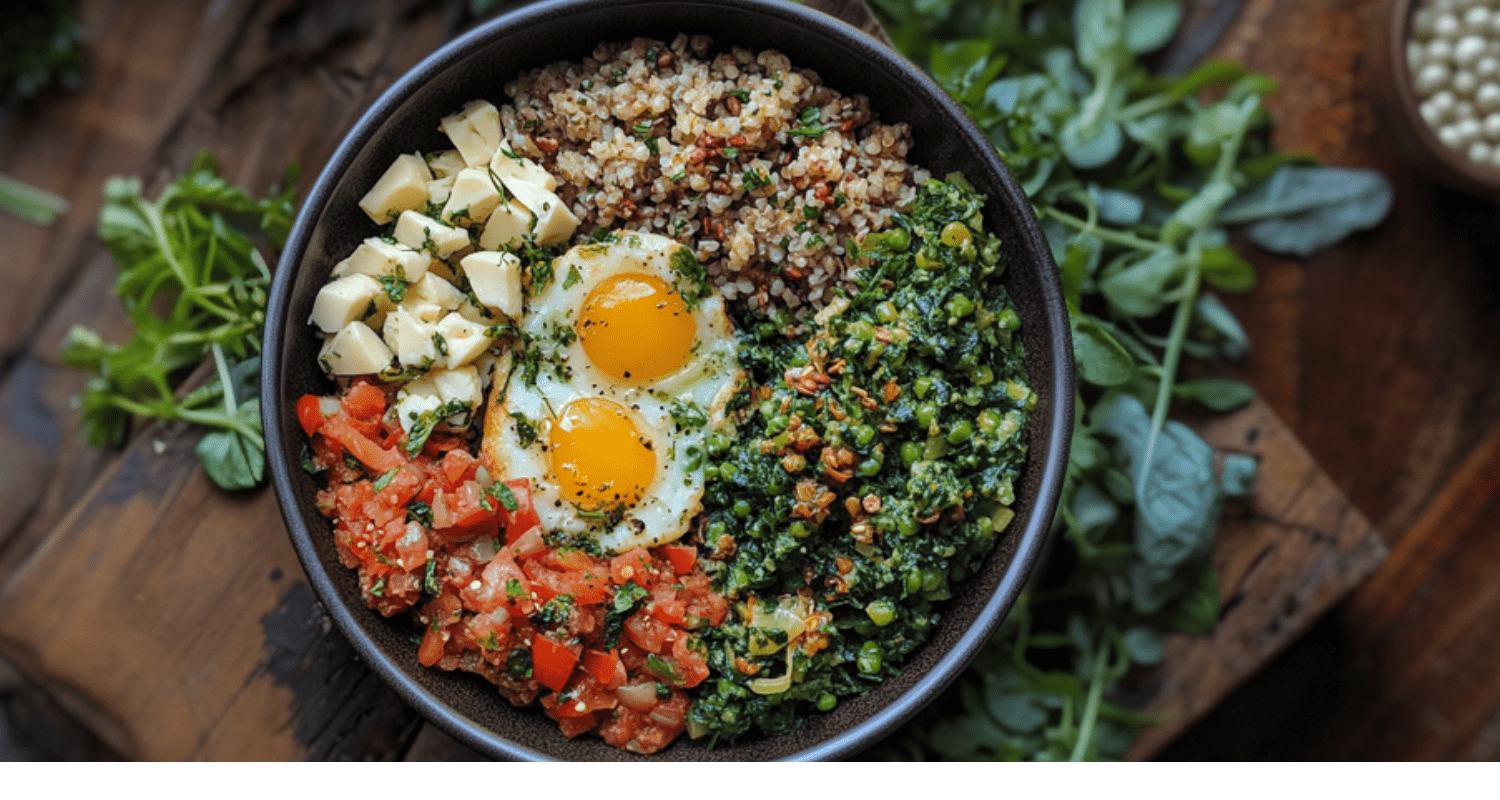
pixel 764 171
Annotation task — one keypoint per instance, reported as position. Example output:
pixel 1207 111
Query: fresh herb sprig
pixel 194 285
pixel 1135 180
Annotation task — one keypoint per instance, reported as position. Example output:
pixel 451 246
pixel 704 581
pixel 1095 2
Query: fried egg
pixel 629 360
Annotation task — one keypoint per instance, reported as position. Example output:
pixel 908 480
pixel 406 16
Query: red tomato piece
pixel 551 662
pixel 682 557
pixel 309 414
pixel 380 460
pixel 632 565
pixel 648 633
pixel 431 651
pixel 524 518
pixel 364 401
pixel 602 666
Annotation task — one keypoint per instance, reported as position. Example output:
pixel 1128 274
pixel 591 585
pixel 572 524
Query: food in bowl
pixel 1453 55
pixel 586 484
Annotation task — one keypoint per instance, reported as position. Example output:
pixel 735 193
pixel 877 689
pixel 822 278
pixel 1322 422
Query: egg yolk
pixel 636 327
pixel 598 455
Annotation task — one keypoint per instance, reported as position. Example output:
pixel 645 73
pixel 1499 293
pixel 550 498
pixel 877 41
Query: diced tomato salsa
pixel 605 644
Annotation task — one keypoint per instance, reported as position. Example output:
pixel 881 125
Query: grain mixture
pixel 764 171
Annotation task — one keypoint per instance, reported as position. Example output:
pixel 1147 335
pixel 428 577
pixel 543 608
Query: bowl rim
pixel 1050 313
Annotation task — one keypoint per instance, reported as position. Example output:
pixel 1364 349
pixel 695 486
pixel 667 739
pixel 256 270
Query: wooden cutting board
pixel 173 618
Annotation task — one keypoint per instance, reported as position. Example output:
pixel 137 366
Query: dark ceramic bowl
pixel 477 66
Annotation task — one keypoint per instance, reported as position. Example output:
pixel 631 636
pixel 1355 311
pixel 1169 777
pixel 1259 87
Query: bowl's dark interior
pixel 479 66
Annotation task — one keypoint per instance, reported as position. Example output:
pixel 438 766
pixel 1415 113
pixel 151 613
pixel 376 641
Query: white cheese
pixel 341 269
pixel 506 226
pixel 475 131
pixel 377 257
pixel 356 350
pixel 439 189
pixel 495 278
pixel 464 340
pixel 459 386
pixel 555 222
pixel 343 300
pixel 475 194
pixel 415 399
pixel 523 170
pixel 421 232
pixel 424 310
pixel 445 164
pixel 477 314
pixel 411 338
pixel 437 291
pixel 401 188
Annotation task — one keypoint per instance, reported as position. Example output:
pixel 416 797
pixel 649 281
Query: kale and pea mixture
pixel 871 471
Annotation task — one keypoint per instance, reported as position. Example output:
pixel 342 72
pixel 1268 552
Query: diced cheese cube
pixel 341 269
pixel 475 194
pixel 412 339
pixel 495 278
pixel 424 310
pixel 401 188
pixel 522 169
pixel 475 131
pixel 506 226
pixel 555 222
pixel 459 386
pixel 464 340
pixel 445 164
pixel 438 189
pixel 343 301
pixel 356 350
pixel 377 257
pixel 415 400
pixel 435 290
pixel 421 232
pixel 478 314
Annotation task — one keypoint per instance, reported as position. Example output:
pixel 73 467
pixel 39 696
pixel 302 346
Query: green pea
pixel 922 387
pixel 927 262
pixel 869 467
pixel 799 529
pixel 908 526
pixel 926 413
pixel 711 473
pixel 961 432
pixel 862 331
pixel 960 306
pixel 728 470
pixel 910 452
pixel 983 376
pixel 896 240
pixel 881 612
pixel 914 581
pixel 826 701
pixel 741 508
pixel 718 441
pixel 777 423
pixel 932 579
pixel 887 312
pixel 989 420
pixel 864 434
pixel 716 529
pixel 955 234
pixel 870 658
pixel 863 627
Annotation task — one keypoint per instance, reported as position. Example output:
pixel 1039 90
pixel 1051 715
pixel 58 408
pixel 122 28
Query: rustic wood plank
pixel 1284 558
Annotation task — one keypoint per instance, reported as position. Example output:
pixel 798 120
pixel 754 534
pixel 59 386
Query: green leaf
pixel 1150 24
pixel 235 460
pixel 1218 394
pixel 1300 210
pixel 1144 645
pixel 1100 359
pixel 1140 288
pixel 1218 327
pixel 1090 148
pixel 1226 271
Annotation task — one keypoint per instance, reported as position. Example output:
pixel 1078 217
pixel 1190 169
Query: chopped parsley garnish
pixel 419 512
pixel 524 430
pixel 741 94
pixel 503 495
pixel 641 128
pixel 385 480
pixel 395 287
pixel 754 179
pixel 430 581
pixel 573 279
pixel 652 146
pixel 730 153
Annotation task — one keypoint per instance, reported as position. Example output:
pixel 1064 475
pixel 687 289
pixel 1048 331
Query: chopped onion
pixel 328 406
pixel 638 696
pixel 440 518
pixel 775 685
pixel 529 543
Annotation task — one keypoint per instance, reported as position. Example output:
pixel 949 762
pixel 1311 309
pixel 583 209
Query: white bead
pixel 1487 97
pixel 1416 56
pixel 1447 26
pixel 1487 67
pixel 1491 127
pixel 1469 130
pixel 1468 50
pixel 1475 20
pixel 1439 50
pixel 1432 78
pixel 1450 137
pixel 1463 82
pixel 1494 24
pixel 1443 101
pixel 1479 151
pixel 1463 109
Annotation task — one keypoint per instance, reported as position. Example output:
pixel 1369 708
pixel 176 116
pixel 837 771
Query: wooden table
pixel 174 621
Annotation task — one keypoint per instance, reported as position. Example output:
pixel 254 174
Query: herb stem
pixel 1091 708
pixel 1120 238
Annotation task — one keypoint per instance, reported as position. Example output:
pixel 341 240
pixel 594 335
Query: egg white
pixel 704 383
